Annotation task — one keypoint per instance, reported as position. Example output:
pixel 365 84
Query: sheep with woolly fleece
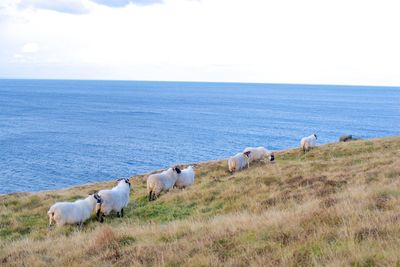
pixel 308 142
pixel 259 153
pixel 161 182
pixel 76 212
pixel 115 199
pixel 239 161
pixel 185 178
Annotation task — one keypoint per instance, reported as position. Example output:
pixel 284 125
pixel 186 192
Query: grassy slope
pixel 337 205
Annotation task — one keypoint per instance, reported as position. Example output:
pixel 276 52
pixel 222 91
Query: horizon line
pixel 209 82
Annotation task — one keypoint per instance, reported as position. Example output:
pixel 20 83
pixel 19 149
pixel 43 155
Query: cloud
pixel 122 3
pixel 79 6
pixel 30 48
pixel 65 6
pixel 5 7
pixel 273 41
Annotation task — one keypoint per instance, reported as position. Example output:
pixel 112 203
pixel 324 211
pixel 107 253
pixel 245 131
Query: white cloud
pixel 66 6
pixel 122 3
pixel 79 6
pixel 30 48
pixel 18 56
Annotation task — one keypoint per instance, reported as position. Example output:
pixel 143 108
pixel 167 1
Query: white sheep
pixel 161 182
pixel 76 212
pixel 308 142
pixel 115 199
pixel 185 178
pixel 239 161
pixel 259 153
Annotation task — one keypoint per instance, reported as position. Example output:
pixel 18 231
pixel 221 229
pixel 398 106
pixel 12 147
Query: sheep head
pixel 126 180
pixel 272 157
pixel 98 198
pixel 247 153
pixel 177 170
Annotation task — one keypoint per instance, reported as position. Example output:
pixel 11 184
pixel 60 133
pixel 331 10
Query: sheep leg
pixel 155 196
pixel 98 214
pixel 150 195
pixel 101 217
pixel 120 213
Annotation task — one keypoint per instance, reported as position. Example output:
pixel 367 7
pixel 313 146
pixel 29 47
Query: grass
pixel 337 205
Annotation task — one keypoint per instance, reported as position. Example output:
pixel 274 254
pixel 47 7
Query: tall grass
pixel 336 205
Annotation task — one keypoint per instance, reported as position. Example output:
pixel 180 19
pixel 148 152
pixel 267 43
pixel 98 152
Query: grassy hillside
pixel 336 205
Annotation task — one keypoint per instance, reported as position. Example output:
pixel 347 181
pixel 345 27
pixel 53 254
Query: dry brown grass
pixel 336 205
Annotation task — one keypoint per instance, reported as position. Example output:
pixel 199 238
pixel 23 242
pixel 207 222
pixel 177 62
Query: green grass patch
pixel 368 261
pixel 32 220
pixel 159 211
pixel 73 198
pixel 291 156
pixel 5 232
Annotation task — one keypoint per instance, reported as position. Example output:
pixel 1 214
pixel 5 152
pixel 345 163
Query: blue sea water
pixel 58 133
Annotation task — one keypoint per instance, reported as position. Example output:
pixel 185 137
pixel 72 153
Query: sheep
pixel 77 212
pixel 161 182
pixel 239 161
pixel 345 138
pixel 258 153
pixel 308 142
pixel 185 178
pixel 115 199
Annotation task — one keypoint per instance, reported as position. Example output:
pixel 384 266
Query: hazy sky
pixel 277 41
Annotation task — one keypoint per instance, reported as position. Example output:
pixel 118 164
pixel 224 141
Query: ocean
pixel 61 133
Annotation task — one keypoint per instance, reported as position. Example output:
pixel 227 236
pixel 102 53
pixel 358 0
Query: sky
pixel 354 42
